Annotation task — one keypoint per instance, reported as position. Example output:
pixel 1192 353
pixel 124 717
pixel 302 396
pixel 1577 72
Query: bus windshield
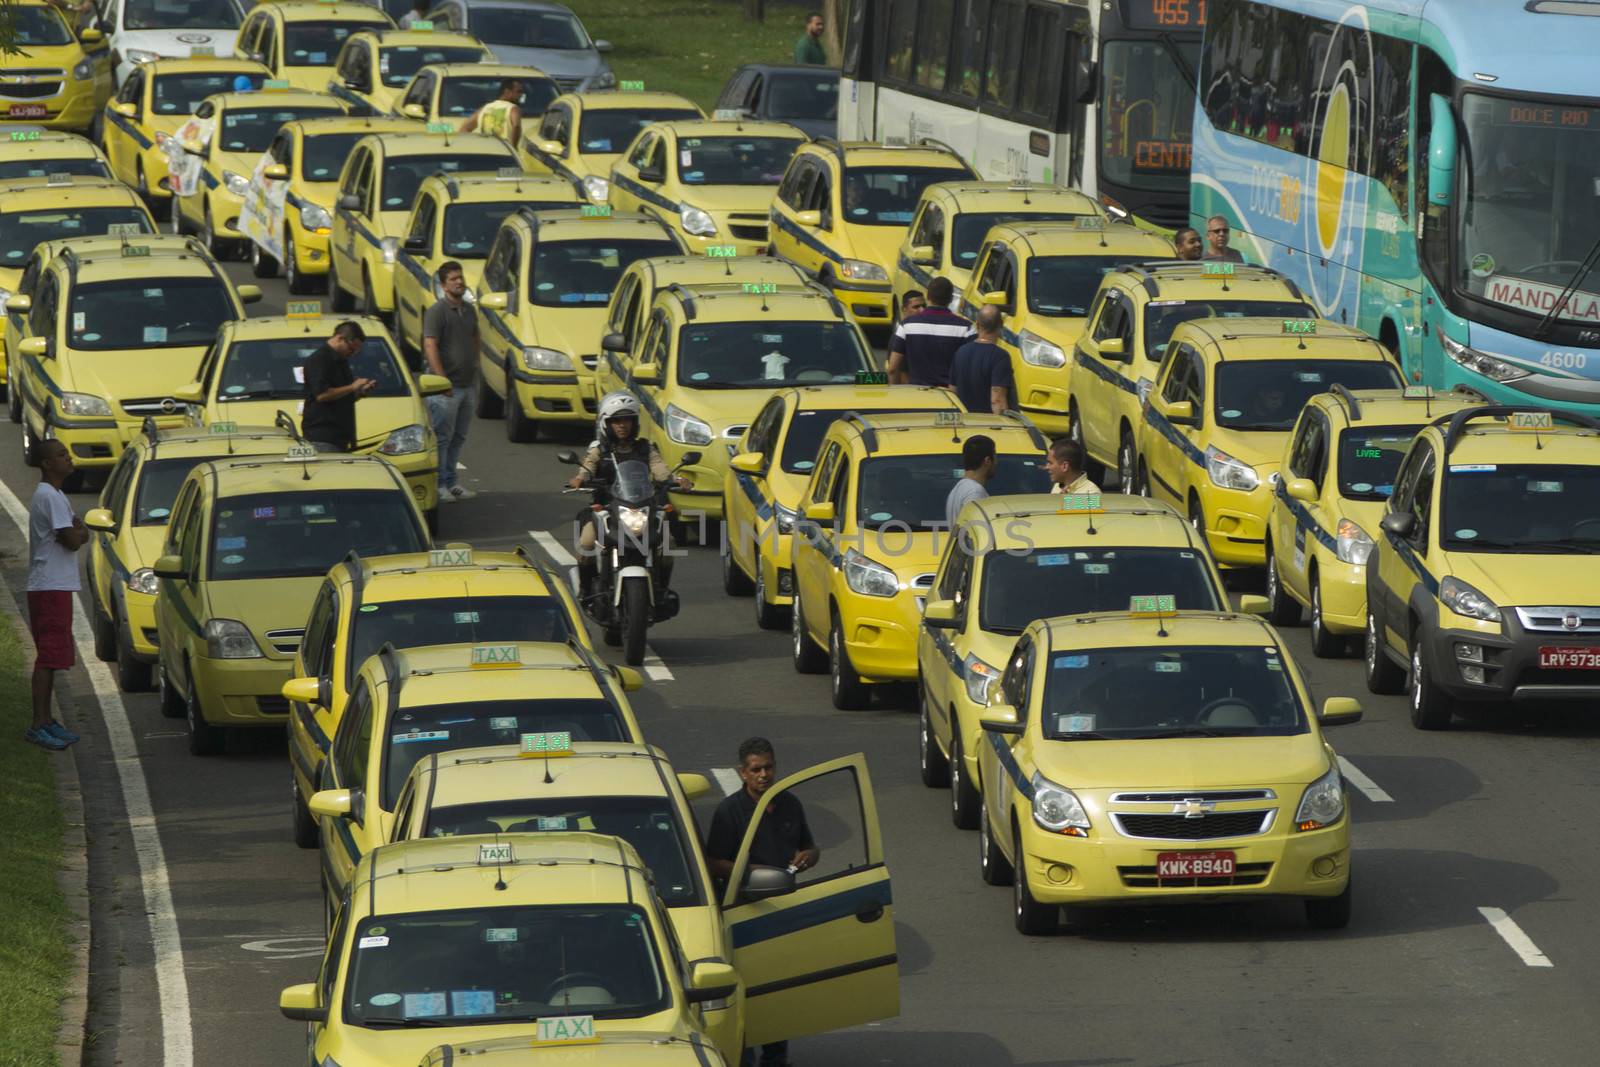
pixel 1147 112
pixel 1530 217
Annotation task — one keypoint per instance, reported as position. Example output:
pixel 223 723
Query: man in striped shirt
pixel 924 344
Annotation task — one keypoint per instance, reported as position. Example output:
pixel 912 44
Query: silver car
pixel 533 33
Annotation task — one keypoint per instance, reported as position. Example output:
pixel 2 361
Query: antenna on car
pixel 499 874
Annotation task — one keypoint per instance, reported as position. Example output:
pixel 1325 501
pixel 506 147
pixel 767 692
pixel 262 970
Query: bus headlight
pixel 1491 367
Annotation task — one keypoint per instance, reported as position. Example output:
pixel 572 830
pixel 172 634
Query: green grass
pixel 689 46
pixel 34 952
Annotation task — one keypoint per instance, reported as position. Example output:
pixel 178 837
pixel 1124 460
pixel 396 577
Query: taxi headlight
pixel 633 519
pixel 696 221
pixel 84 70
pixel 685 429
pixel 981 678
pixel 596 188
pixel 785 517
pixel 237 184
pixel 404 441
pixel 1229 473
pixel 860 270
pixel 864 576
pixel 1463 599
pixel 1057 809
pixel 545 359
pixel 1351 543
pixel 230 639
pixel 390 246
pixel 140 55
pixel 144 580
pixel 163 140
pixel 1039 352
pixel 1489 366
pixel 1323 802
pixel 315 217
pixel 83 404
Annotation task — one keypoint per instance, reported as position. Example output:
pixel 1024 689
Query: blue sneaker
pixel 41 736
pixel 61 733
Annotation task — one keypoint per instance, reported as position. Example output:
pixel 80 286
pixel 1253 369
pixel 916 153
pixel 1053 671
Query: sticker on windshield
pixel 496 934
pixel 369 607
pixel 232 560
pixel 1074 724
pixel 804 465
pixel 1232 413
pixel 268 512
pixel 472 1002
pixel 464 618
pixel 313 509
pixel 374 942
pixel 1483 265
pixel 1052 559
pixel 152 294
pixel 155 334
pixel 79 320
pixel 685 157
pixel 157 513
pixel 503 722
pixel 1466 535
pixel 1166 666
pixel 300 375
pixel 420 735
pixel 1097 568
pixel 1274 665
pixel 226 543
pixel 699 376
pixel 1308 376
pixel 424 1005
pixel 552 822
pixel 234 389
pixel 881 516
pixel 772 338
pixel 1544 487
pixel 91 337
pixel 1361 487
pixel 1471 468
pixel 1071 663
pixel 383 1000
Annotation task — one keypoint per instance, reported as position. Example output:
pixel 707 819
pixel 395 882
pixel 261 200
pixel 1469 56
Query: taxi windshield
pixel 180 15
pixel 1081 579
pixel 38 25
pixel 180 94
pixel 462 96
pixel 469 966
pixel 520 27
pixel 1369 456
pixel 803 96
pixel 887 196
pixel 304 532
pixel 807 429
pixel 610 129
pixel 1267 394
pixel 1161 317
pixel 137 313
pixel 398 63
pixel 252 129
pixel 323 156
pixel 649 824
pixel 20 231
pixel 1064 286
pixel 734 160
pixel 583 273
pixel 764 355
pixel 448 620
pixel 897 492
pixel 314 44
pixel 469 228
pixel 87 166
pixel 415 733
pixel 966 239
pixel 273 368
pixel 402 175
pixel 1538 508
pixel 1169 691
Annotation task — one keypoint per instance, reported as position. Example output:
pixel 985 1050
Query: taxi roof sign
pixel 421 25
pixel 1417 392
pixel 595 211
pixel 1082 503
pixel 24 135
pixel 1089 222
pixel 1162 606
pixel 949 417
pixel 1530 420
pixel 872 377
pixel 301 452
pixel 497 853
pixel 273 85
pixel 722 252
pixel 302 309
pixel 124 229
pixel 557 743
pixel 440 127
pixel 58 178
pixel 223 427
pixel 1216 269
pixel 202 50
pixel 631 87
pixel 728 114
pixel 510 172
pixel 495 657
pixel 566 1030
pixel 133 251
pixel 1300 327
pixel 761 287
pixel 449 557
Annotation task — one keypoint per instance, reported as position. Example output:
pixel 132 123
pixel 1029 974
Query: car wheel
pixel 1430 707
pixel 1032 918
pixel 769 616
pixel 520 429
pixel 964 798
pixel 850 693
pixel 262 265
pixel 27 445
pixel 305 825
pixel 1281 608
pixel 1197 517
pixel 808 658
pixel 931 760
pixel 1143 486
pixel 1330 913
pixel 486 403
pixel 993 867
pixel 339 301
pixel 204 738
pixel 1324 644
pixel 735 582
pixel 105 632
pixel 1127 464
pixel 172 702
pixel 369 298
pixel 1382 675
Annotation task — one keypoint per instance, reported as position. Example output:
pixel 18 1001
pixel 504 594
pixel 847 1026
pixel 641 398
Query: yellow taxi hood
pixel 721 407
pixel 1261 449
pixel 264 604
pixel 167 124
pixel 322 194
pixel 994 649
pixel 786 488
pixel 1364 513
pixel 239 162
pixel 725 198
pixel 393 223
pixel 128 373
pixel 1527 579
pixel 310 79
pixel 1186 763
pixel 361 1047
pixel 875 244
pixel 575 331
pixel 908 555
pixel 144 545
pixel 1062 331
pixel 594 163
pixel 376 416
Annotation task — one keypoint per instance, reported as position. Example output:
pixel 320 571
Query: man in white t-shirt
pixel 55 534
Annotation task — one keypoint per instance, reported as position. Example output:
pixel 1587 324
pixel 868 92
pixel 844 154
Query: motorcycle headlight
pixel 685 429
pixel 697 222
pixel 860 270
pixel 391 247
pixel 785 517
pixel 1039 352
pixel 545 359
pixel 229 639
pixel 83 404
pixel 237 184
pixel 1057 808
pixel 1351 543
pixel 1463 599
pixel 84 70
pixel 404 441
pixel 1229 473
pixel 864 576
pixel 597 188
pixel 981 677
pixel 1491 367
pixel 633 519
pixel 140 55
pixel 1323 802
pixel 144 580
pixel 315 217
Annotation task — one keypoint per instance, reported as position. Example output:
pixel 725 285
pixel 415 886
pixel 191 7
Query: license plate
pixel 1194 865
pixel 28 111
pixel 1580 657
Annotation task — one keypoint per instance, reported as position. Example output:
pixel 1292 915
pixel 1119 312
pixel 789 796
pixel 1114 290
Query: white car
pixel 142 30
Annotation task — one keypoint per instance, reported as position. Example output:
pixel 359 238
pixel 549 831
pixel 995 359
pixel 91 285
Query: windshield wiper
pixel 1256 426
pixel 395 1024
pixel 1178 60
pixel 1584 545
pixel 1566 294
pixel 1195 731
pixel 257 394
pixel 1080 735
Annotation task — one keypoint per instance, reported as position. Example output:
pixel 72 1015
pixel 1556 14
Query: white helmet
pixel 621 404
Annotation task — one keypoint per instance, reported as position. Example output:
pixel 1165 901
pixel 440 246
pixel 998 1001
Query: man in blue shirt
pixel 980 373
pixel 924 343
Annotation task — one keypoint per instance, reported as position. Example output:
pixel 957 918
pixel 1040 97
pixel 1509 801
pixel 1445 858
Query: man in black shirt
pixel 328 419
pixel 981 373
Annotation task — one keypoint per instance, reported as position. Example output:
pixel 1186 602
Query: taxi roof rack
pixel 1456 424
pixel 1147 268
pixel 685 297
pixel 1348 399
pixel 1038 438
pixel 869 436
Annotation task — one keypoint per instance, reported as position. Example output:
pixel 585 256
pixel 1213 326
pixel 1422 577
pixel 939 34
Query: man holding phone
pixel 328 419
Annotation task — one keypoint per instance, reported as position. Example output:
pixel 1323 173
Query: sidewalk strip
pixel 1369 789
pixel 1512 934
pixel 727 778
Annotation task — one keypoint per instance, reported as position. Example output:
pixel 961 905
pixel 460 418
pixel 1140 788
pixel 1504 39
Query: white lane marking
pixel 654 668
pixel 1369 789
pixel 727 778
pixel 1512 934
pixel 558 553
pixel 172 986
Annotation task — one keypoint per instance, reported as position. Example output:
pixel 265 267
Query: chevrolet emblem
pixel 1193 808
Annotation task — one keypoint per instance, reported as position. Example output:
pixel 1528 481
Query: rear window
pixel 910 491
pixel 301 534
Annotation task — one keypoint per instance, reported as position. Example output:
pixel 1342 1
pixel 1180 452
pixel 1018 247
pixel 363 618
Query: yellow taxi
pixel 55 75
pixel 455 217
pixel 542 303
pixel 1130 321
pixel 946 234
pixel 711 182
pixel 711 357
pixel 641 1049
pixel 453 92
pixel 769 467
pixel 1225 400
pixel 872 529
pixel 635 293
pixel 248 541
pixel 375 65
pixel 1030 554
pixel 1104 784
pixel 130 525
pixel 581 135
pixel 1337 470
pixel 287 214
pixel 1475 588
pixel 256 367
pixel 103 330
pixel 379 181
pixel 298 40
pixel 842 211
pixel 32 153
pixel 211 157
pixel 365 604
pixel 404 706
pixel 155 99
pixel 1044 278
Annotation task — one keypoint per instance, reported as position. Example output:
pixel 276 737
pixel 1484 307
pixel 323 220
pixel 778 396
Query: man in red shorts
pixel 54 536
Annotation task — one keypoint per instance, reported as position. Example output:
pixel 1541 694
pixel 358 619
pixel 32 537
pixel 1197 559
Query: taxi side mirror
pixel 413 111
pixel 170 567
pixel 90 35
pixel 822 511
pixel 100 519
pixel 614 342
pixel 193 393
pixel 652 175
pixel 1002 719
pixel 711 980
pixel 417 242
pixel 349 202
pixel 749 462
pixel 1115 348
pixel 940 614
pixel 554 148
pixel 316 691
pixel 1399 523
pixel 631 680
pixel 694 786
pixel 1302 489
pixel 19 303
pixel 763 883
pixel 1253 604
pixel 921 254
pixel 127 109
pixel 332 803
pixel 808 219
pixel 998 299
pixel 33 346
pixel 275 171
pixel 493 301
pixel 300 1003
pixel 647 373
pixel 433 384
pixel 1340 711
pixel 1178 412
pixel 248 294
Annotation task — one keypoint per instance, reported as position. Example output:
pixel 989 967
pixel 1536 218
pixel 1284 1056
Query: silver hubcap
pixel 922 735
pixel 1372 644
pixel 1316 612
pixel 1416 677
pixel 1125 467
pixel 983 837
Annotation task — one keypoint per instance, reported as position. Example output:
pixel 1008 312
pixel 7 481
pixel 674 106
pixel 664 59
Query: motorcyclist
pixel 618 439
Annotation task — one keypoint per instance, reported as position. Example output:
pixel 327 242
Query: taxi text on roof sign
pixel 631 87
pixel 303 309
pixel 595 211
pixel 1153 606
pixel 947 418
pixel 1089 222
pixel 224 427
pixel 566 1030
pixel 727 114
pixel 58 178
pixel 1418 392
pixel 441 127
pixel 124 229
pixel 722 252
pixel 1531 420
pixel 422 25
pixel 24 135
pixel 1082 503
pixel 761 287
pixel 499 852
pixel 490 657
pixel 872 377
pixel 275 85
pixel 449 557
pixel 130 251
pixel 1216 269
pixel 549 744
pixel 301 452
pixel 509 172
pixel 1300 326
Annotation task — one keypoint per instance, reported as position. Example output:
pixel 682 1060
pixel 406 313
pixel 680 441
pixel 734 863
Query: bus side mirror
pixel 1089 79
pixel 1441 151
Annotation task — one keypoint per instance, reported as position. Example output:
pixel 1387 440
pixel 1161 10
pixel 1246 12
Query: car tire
pixel 298 284
pixel 486 403
pixel 204 738
pixel 172 704
pixel 1330 913
pixel 1430 705
pixel 339 301
pixel 1143 486
pixel 369 301
pixel 735 582
pixel 133 673
pixel 262 265
pixel 993 867
pixel 1127 464
pixel 13 395
pixel 1383 676
pixel 520 430
pixel 850 693
pixel 305 824
pixel 966 802
pixel 808 658
pixel 1324 644
pixel 1032 918
pixel 105 631
pixel 769 616
pixel 1197 519
pixel 931 761
pixel 1282 610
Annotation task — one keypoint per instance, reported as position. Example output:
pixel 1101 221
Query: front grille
pixel 1145 878
pixel 1206 827
pixel 1170 217
pixel 1558 676
pixel 922 581
pixel 272 705
pixel 1178 798
pixel 1553 620
pixel 36 91
pixel 285 640
pixel 733 433
pixel 91 451
pixel 748 233
pixel 155 405
pixel 590 362
pixel 40 82
pixel 589 404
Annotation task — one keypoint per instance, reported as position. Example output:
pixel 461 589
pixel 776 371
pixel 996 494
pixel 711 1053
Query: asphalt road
pixel 1487 816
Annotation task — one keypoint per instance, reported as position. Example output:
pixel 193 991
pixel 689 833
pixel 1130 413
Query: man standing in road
pixel 55 533
pixel 1187 243
pixel 502 116
pixel 979 459
pixel 783 839
pixel 1217 231
pixel 980 373
pixel 808 49
pixel 450 345
pixel 1064 463
pixel 332 389
pixel 926 341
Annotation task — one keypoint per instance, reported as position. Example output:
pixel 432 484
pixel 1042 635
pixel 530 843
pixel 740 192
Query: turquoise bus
pixel 1427 170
